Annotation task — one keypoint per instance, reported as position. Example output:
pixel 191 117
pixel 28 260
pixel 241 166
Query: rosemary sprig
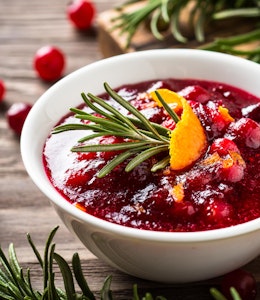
pixel 228 45
pixel 145 138
pixel 15 285
pixel 169 12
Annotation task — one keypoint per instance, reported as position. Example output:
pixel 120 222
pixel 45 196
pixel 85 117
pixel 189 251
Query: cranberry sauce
pixel 221 189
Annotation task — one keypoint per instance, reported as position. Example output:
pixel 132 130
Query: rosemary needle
pixel 143 139
pixel 200 14
pixel 15 285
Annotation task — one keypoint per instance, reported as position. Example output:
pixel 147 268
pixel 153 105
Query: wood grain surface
pixel 25 26
pixel 112 41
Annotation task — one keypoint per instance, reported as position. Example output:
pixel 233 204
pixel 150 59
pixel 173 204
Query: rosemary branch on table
pixel 144 138
pixel 169 13
pixel 15 284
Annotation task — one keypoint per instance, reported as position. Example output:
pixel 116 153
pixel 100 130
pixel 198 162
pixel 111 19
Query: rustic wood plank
pixel 24 27
pixel 113 42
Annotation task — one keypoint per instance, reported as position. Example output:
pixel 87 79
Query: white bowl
pixel 158 256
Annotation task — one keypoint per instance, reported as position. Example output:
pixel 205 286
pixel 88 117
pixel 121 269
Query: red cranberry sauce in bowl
pixel 220 189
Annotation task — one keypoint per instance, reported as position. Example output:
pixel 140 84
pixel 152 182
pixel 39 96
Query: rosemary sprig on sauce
pixel 17 285
pixel 166 15
pixel 144 139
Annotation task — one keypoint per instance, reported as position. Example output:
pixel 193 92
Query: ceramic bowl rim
pixel 166 237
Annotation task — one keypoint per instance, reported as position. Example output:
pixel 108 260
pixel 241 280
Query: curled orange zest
pixel 233 158
pixel 225 114
pixel 188 140
pixel 80 206
pixel 170 97
pixel 236 158
pixel 212 159
pixel 178 192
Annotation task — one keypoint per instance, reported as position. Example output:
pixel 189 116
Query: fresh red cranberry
pixel 211 119
pixel 169 123
pixel 202 112
pixel 223 146
pixel 252 112
pixel 218 211
pixel 219 122
pixel 16 116
pixel 81 13
pixel 183 209
pixel 86 155
pixel 109 140
pixel 79 178
pixel 242 281
pixel 195 93
pixel 2 90
pixel 49 63
pixel 247 131
pixel 233 173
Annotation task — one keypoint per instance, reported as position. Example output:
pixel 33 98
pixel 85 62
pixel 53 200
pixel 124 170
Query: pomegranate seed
pixel 81 14
pixel 2 90
pixel 49 63
pixel 223 146
pixel 246 130
pixel 16 116
pixel 242 281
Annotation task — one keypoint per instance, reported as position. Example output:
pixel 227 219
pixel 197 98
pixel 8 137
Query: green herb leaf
pixel 21 289
pixel 142 139
pixel 76 264
pixel 201 14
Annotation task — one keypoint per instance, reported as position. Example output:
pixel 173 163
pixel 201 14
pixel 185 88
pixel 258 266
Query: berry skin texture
pixel 218 211
pixel 247 131
pixel 223 146
pixel 16 116
pixel 2 90
pixel 49 63
pixel 81 14
pixel 195 93
pixel 242 281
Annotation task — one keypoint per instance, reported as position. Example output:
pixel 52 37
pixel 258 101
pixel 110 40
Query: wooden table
pixel 25 26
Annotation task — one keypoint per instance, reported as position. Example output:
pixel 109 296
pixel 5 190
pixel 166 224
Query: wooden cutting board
pixel 112 42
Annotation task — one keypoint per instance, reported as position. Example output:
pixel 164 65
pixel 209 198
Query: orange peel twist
pixel 188 140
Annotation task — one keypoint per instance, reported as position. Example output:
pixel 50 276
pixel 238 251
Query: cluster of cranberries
pixel 49 61
pixel 227 136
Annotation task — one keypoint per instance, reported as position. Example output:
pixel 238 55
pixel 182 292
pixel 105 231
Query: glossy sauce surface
pixel 217 192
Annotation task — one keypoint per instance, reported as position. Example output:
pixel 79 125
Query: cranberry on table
pixel 16 116
pixel 2 89
pixel 49 63
pixel 242 281
pixel 81 14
